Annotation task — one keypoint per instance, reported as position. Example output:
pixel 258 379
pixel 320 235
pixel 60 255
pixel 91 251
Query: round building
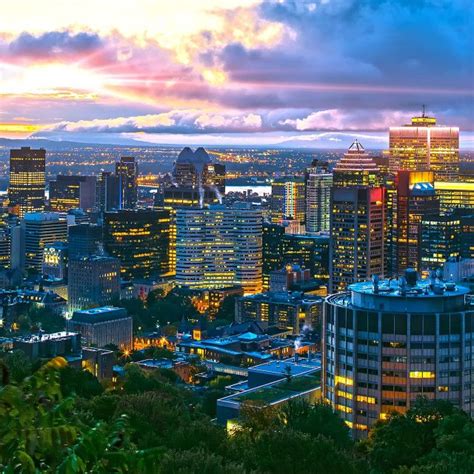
pixel 386 343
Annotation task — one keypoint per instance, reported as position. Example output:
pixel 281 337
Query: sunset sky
pixel 233 71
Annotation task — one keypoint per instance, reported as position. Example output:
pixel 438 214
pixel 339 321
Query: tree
pixel 81 382
pixel 45 318
pixel 18 366
pixel 40 432
pixel 316 420
pixel 429 434
pixel 226 311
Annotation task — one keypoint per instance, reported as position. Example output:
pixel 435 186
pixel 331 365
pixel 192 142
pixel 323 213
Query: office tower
pixel 415 198
pixel 72 192
pixel 27 180
pixel 92 281
pixel 307 251
pixel 466 235
pixel 100 327
pixel 318 182
pixel 108 192
pixel 285 310
pixel 40 229
pixel 84 240
pixel 140 239
pixel 196 180
pixel 386 343
pixel 288 199
pixel 424 146
pixel 5 246
pixel 196 169
pixel 55 258
pixel 219 246
pixel 126 171
pixel 356 168
pixel 440 239
pixel 454 195
pixel 358 222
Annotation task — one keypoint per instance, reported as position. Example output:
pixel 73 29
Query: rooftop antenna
pixel 423 114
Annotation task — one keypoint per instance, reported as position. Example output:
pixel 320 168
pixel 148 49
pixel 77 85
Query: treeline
pixel 62 420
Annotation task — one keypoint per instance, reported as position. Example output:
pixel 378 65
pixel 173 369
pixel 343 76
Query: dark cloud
pixel 54 44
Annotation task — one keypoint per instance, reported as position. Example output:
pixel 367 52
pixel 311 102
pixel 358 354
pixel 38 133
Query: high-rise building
pixel 72 192
pixel 307 251
pixel 26 190
pixel 288 199
pixel 140 239
pixel 356 168
pixel 197 170
pixel 92 281
pixel 424 146
pixel 358 223
pixel 127 172
pixel 386 343
pixel 454 195
pixel 415 198
pixel 84 240
pixel 440 240
pixel 40 229
pixel 108 192
pixel 103 326
pixel 318 182
pixel 219 246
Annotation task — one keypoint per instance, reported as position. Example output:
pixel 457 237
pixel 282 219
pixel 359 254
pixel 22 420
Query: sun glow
pixel 51 79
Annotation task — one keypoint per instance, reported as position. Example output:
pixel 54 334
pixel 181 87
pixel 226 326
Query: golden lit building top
pixel 424 145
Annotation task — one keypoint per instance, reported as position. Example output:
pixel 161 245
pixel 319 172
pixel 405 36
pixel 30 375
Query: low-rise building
pixel 47 346
pixel 100 327
pixel 271 385
pixel 286 310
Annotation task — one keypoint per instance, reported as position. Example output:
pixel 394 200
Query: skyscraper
pixel 140 239
pixel 219 246
pixel 84 240
pixel 92 281
pixel 108 192
pixel 41 228
pixel 424 146
pixel 318 182
pixel 126 171
pixel 440 239
pixel 415 198
pixel 72 192
pixel 356 168
pixel 308 251
pixel 358 223
pixel 288 199
pixel 27 180
pixel 386 343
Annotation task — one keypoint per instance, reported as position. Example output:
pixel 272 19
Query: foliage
pixel 18 365
pixel 80 382
pixel 59 420
pixel 39 431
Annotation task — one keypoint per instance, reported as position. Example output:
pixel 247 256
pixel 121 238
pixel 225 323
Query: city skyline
pixel 247 73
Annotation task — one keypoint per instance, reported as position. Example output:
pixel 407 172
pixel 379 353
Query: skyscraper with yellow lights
pixel 425 146
pixel 219 246
pixel 27 180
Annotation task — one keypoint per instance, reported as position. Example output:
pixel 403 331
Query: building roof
pixel 198 157
pixel 356 159
pixel 99 315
